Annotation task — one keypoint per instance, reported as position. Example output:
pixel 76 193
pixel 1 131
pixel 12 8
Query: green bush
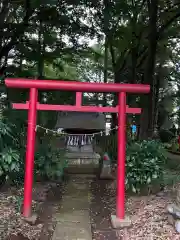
pixel 144 164
pixel 9 155
pixel 172 145
pixel 144 161
pixel 49 163
pixel 166 136
pixel 175 147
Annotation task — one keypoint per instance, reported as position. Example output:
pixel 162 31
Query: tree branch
pixel 159 36
pixel 4 11
pixel 112 56
pixel 18 33
pixel 167 24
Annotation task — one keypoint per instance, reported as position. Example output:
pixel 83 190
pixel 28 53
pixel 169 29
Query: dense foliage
pixel 136 43
pixel 173 145
pixel 49 162
pixel 131 42
pixel 9 154
pixel 145 163
pixel 51 39
pixel 166 136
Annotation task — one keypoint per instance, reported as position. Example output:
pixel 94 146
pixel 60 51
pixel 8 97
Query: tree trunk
pixel 178 94
pixel 114 121
pixel 106 31
pixel 17 33
pixel 156 100
pixel 105 68
pixel 40 67
pixel 146 123
pixel 40 75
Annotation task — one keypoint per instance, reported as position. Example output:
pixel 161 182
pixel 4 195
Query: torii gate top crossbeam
pixel 76 86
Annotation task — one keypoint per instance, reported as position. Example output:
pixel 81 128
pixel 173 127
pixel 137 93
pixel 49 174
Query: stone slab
pixel 72 216
pixel 71 233
pixel 90 155
pixel 82 161
pixel 81 196
pixel 72 219
pixel 77 197
pixel 120 223
pixel 78 186
pixel 74 192
pixel 84 223
pixel 82 169
pixel 107 235
pixel 83 177
pixel 73 204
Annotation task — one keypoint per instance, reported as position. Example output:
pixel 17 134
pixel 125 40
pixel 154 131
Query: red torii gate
pixel 32 106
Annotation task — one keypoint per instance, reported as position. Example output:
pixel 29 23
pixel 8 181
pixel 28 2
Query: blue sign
pixel 134 128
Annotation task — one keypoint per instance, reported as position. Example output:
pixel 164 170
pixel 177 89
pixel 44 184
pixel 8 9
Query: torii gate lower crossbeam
pixel 32 106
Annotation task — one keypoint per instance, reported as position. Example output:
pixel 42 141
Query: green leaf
pixel 149 180
pixel 133 189
pixel 1 171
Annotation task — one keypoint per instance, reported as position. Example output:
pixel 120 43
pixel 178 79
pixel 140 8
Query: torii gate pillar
pixel 119 220
pixel 30 150
pixel 121 154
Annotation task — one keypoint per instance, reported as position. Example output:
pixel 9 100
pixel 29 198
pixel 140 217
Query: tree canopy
pixel 101 41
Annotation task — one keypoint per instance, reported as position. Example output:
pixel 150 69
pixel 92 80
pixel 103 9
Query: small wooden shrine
pixel 80 128
pixel 79 142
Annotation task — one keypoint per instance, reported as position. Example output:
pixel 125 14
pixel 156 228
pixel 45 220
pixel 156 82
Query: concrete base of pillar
pixel 120 223
pixel 32 220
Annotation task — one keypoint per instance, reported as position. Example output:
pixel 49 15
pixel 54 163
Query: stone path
pixel 72 217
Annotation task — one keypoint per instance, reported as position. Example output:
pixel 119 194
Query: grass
pixel 173 161
pixel 170 177
pixel 171 173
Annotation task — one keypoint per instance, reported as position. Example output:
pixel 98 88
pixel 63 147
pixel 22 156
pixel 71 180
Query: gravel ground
pixel 12 226
pixel 148 215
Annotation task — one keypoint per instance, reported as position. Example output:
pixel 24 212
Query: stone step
pixel 81 178
pixel 73 231
pixel 72 216
pixel 87 163
pixel 81 169
pixel 82 161
pixel 91 155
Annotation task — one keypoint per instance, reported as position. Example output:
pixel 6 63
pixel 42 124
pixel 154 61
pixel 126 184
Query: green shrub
pixel 166 135
pixel 144 161
pixel 49 163
pixel 9 155
pixel 144 164
pixel 172 145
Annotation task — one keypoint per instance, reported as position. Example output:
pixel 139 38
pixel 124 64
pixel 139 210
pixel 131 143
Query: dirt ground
pixel 46 196
pixel 148 215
